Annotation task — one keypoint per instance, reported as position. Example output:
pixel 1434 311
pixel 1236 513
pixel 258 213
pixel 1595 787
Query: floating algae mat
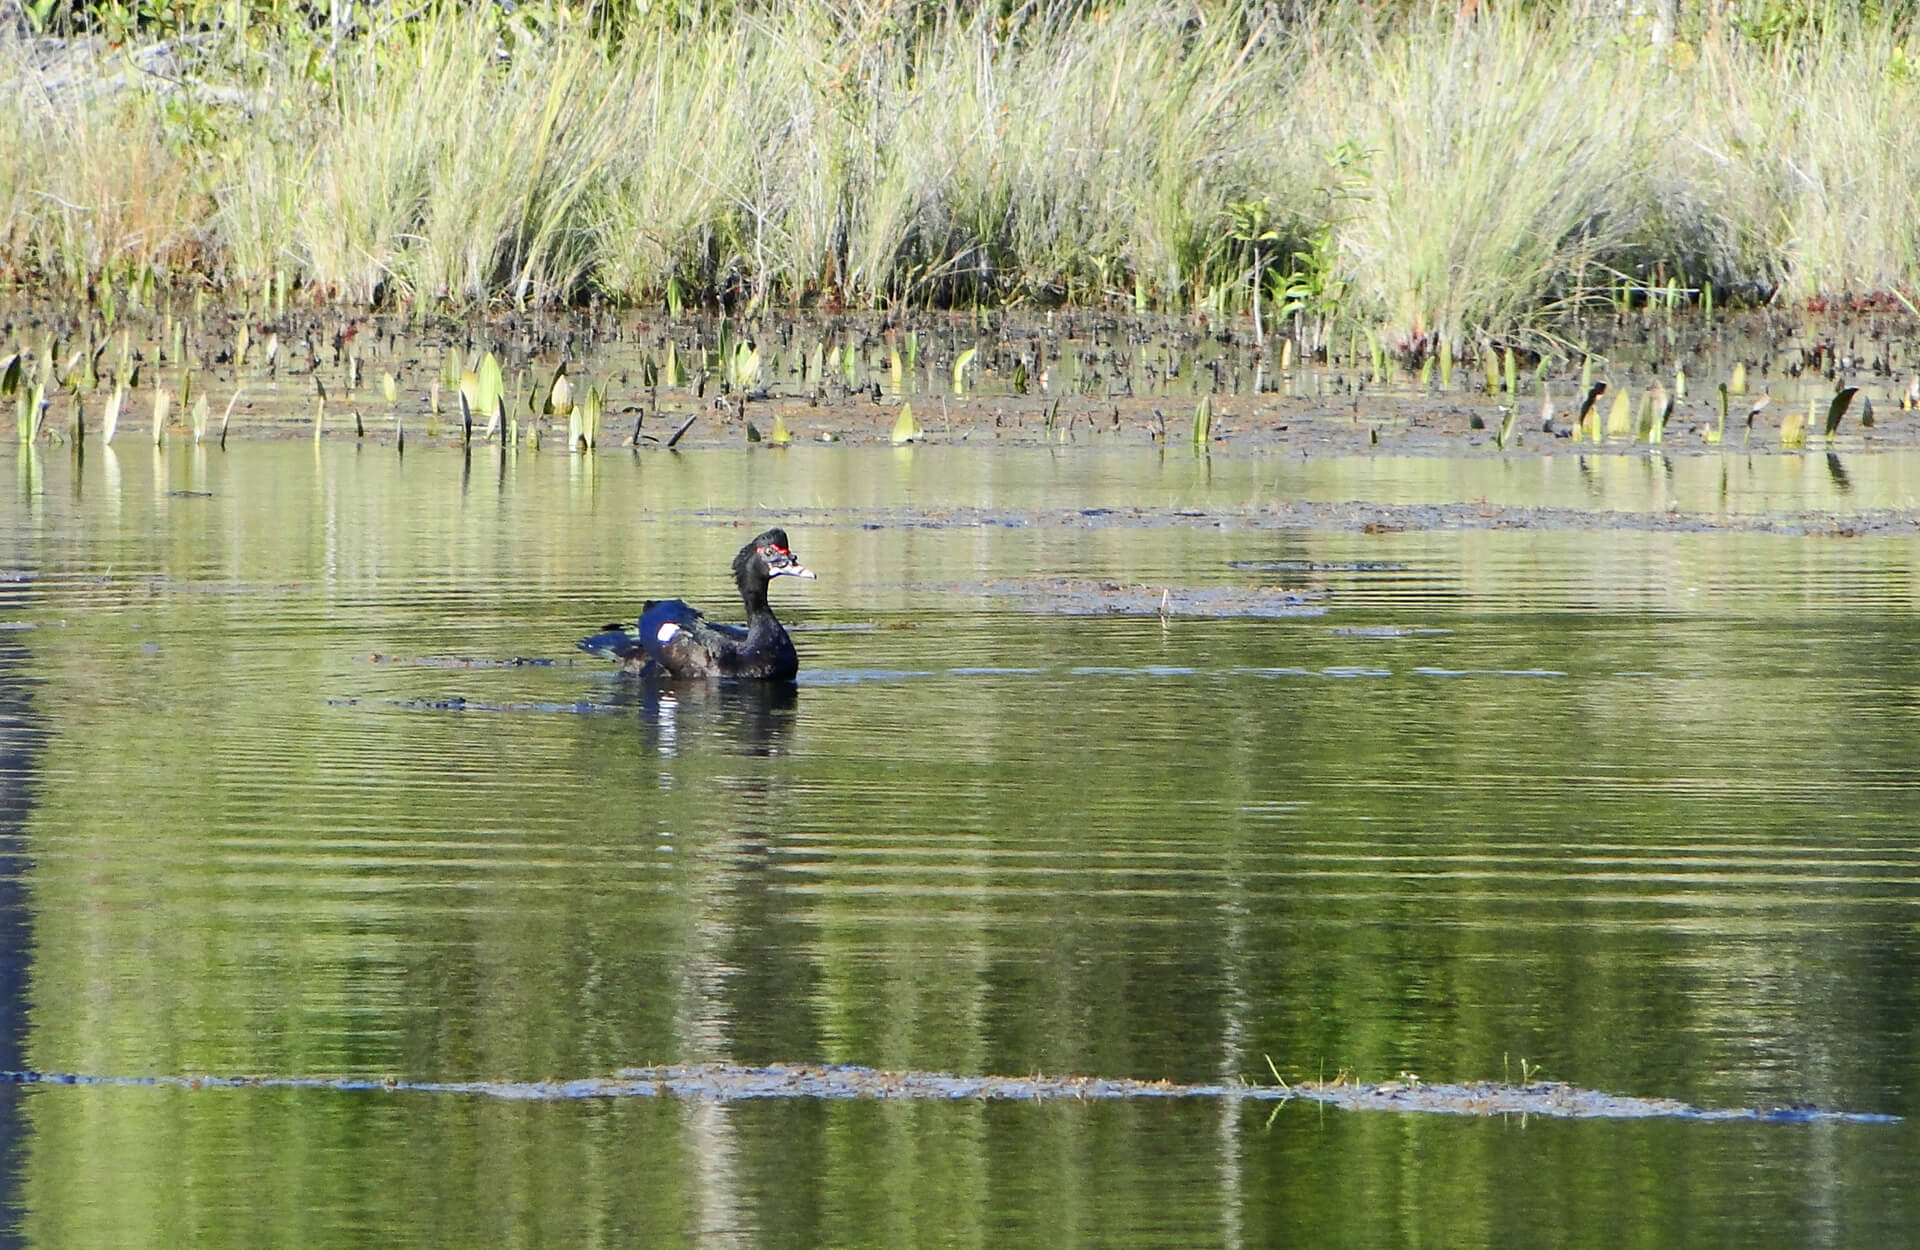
pixel 726 1083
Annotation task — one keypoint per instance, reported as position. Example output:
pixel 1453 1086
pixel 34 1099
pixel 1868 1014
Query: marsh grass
pixel 1506 160
pixel 94 188
pixel 1801 157
pixel 1442 185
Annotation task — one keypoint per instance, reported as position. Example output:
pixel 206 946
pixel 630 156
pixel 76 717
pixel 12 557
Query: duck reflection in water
pixel 753 718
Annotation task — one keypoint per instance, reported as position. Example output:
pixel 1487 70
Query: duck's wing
pixel 685 643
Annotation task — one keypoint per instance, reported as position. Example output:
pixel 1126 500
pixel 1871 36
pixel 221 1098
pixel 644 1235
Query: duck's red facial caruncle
pixel 780 562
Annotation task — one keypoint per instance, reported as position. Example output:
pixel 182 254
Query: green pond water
pixel 1629 808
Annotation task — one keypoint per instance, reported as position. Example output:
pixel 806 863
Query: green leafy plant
pixel 1838 408
pixel 1250 224
pixel 905 428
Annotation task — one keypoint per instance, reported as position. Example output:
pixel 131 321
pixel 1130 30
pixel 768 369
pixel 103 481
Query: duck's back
pixel 684 643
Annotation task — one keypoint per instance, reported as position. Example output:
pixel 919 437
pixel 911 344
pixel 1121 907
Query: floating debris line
pixel 726 1083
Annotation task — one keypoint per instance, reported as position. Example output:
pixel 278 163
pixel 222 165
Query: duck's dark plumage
pixel 675 640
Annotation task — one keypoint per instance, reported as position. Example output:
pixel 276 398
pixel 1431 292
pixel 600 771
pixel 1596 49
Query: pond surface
pixel 303 778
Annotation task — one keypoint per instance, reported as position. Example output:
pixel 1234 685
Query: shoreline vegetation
pixel 1439 180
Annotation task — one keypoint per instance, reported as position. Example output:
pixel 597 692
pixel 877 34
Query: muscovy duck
pixel 675 640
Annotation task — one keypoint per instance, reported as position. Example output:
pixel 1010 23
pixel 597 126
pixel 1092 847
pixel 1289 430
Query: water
pixel 1625 806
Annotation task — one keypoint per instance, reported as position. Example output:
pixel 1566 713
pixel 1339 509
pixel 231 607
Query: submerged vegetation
pixel 1437 180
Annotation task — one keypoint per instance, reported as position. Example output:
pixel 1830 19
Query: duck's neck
pixel 761 624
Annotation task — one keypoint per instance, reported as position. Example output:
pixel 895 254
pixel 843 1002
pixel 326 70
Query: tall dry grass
pixel 1507 169
pixel 1432 177
pixel 92 185
pixel 1809 155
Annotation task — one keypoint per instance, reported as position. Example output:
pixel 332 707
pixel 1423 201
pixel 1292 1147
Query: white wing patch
pixel 666 632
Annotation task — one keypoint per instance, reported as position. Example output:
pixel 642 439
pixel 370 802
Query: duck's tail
pixel 615 642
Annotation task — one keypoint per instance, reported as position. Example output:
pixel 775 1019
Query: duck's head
pixel 769 556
